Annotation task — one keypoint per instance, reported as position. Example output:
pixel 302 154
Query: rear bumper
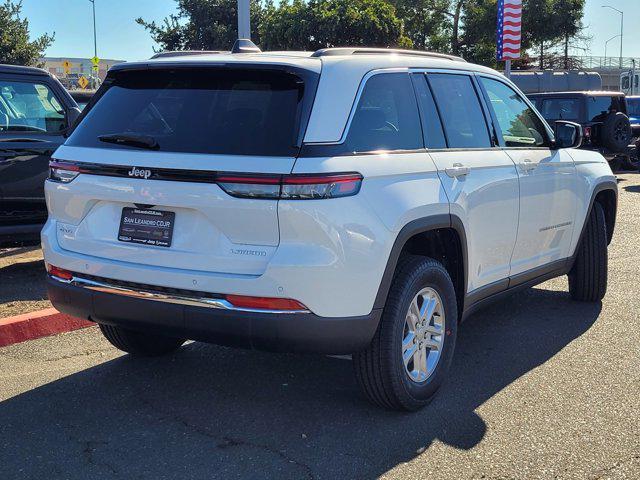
pixel 282 332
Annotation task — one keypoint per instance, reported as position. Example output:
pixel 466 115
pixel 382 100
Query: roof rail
pixel 185 53
pixel 329 52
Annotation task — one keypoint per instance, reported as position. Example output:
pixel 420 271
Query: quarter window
pixel 520 125
pixel 462 117
pixel 386 117
pixel 29 107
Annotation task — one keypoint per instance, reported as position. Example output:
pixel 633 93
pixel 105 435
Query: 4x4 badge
pixel 138 172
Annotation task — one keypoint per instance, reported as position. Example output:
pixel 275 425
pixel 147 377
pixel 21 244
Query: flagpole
pixel 507 69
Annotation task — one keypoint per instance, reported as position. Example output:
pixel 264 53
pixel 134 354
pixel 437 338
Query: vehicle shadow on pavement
pixel 213 412
pixel 23 281
pixel 632 188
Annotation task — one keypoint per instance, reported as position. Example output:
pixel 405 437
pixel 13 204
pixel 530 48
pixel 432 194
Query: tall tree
pixel 15 47
pixel 426 23
pixel 569 24
pixel 202 25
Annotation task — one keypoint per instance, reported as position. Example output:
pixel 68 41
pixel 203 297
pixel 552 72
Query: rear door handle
pixel 457 170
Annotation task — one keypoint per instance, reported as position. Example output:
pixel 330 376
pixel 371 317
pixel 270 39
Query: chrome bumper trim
pixel 156 296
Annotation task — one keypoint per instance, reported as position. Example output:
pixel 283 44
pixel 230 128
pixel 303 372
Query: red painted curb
pixel 42 323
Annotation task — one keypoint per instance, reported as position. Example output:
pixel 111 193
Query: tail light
pixel 58 272
pixel 63 172
pixel 291 187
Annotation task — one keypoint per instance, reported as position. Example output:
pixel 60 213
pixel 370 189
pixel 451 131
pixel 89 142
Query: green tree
pixel 331 23
pixel 569 25
pixel 355 23
pixel 426 23
pixel 287 26
pixel 202 25
pixel 546 25
pixel 15 47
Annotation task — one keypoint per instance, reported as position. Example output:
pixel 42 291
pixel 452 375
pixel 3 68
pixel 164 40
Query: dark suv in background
pixel 604 118
pixel 35 114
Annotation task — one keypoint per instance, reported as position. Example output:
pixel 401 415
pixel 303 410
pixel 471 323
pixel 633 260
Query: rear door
pixel 32 123
pixel 192 125
pixel 547 179
pixel 480 180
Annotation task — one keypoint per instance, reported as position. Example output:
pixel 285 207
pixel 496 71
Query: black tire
pixel 379 368
pixel 140 344
pixel 616 132
pixel 588 276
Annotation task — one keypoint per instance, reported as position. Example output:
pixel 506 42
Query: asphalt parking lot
pixel 541 387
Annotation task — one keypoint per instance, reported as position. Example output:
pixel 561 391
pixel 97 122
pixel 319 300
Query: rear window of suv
pixel 206 110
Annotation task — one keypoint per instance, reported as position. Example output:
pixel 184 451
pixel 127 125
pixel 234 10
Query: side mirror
pixel 568 135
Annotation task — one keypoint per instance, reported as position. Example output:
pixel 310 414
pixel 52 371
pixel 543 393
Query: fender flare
pixel 600 187
pixel 412 228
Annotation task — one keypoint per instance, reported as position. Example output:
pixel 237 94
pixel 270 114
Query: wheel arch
pixel 606 195
pixel 608 199
pixel 441 237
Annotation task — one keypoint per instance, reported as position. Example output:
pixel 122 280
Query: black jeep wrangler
pixel 603 116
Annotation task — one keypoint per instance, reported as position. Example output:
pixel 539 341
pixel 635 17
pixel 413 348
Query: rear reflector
pixel 291 187
pixel 264 303
pixel 59 272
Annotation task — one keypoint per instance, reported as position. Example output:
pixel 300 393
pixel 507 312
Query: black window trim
pixel 414 76
pixel 485 95
pixel 40 80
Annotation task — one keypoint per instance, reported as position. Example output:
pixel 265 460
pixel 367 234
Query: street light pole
pixel 621 27
pixel 606 44
pixel 95 38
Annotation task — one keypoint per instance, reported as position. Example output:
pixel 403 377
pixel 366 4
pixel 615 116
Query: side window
pixel 519 124
pixel 460 109
pixel 29 107
pixel 553 109
pixel 599 107
pixel 386 117
pixel 431 124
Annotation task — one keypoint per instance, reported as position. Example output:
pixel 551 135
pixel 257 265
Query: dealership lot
pixel 542 387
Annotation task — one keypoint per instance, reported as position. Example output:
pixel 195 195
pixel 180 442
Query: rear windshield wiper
pixel 140 141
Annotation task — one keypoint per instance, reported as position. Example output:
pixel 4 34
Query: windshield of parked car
pixel 205 110
pixel 29 107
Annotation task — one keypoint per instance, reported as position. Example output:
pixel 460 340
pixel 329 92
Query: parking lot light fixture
pixel 621 27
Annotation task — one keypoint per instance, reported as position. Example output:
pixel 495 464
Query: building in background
pixel 78 67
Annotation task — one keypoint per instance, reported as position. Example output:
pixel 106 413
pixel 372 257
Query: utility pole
pixel 244 19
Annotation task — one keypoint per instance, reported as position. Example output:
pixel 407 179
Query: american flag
pixel 509 29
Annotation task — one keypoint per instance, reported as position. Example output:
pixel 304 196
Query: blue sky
pixel 119 37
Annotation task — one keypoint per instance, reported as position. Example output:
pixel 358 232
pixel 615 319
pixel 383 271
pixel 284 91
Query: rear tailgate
pixel 205 121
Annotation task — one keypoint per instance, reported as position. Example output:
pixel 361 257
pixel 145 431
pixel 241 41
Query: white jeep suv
pixel 347 201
